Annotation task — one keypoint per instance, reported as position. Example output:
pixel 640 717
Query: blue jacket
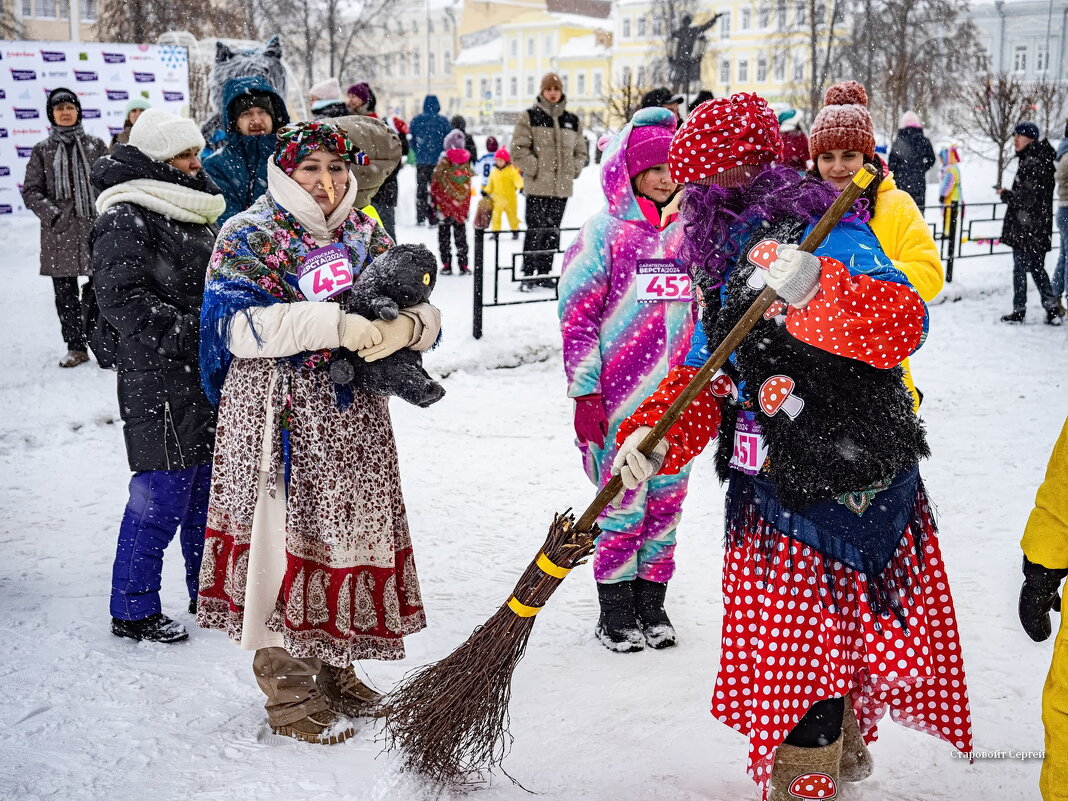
pixel 428 131
pixel 240 167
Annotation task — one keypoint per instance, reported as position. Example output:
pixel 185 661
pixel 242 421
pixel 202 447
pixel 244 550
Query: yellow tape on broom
pixel 521 609
pixel 549 568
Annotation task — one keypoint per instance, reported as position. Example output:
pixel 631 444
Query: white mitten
pixel 358 332
pixel 635 467
pixel 794 275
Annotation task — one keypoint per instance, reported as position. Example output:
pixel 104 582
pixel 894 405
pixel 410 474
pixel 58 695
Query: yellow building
pixel 49 20
pixel 501 76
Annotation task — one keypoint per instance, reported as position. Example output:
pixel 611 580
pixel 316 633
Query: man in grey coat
pixel 549 149
pixel 57 189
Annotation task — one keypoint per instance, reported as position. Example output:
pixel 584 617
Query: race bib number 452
pixel 325 272
pixel 663 279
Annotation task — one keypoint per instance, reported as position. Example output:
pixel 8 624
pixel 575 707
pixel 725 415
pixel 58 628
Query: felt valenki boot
pixel 345 693
pixel 856 763
pixel 617 628
pixel 805 772
pixel 649 604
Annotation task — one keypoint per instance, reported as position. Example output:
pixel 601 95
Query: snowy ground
pixel 88 716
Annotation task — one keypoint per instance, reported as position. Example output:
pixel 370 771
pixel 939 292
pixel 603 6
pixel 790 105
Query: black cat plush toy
pixel 401 277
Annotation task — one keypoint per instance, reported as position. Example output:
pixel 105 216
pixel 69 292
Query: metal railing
pixel 509 262
pixel 969 230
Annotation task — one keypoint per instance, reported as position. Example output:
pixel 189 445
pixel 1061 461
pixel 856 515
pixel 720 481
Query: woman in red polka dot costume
pixel 836 605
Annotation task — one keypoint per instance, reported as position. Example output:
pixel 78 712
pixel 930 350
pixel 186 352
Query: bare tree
pixel 892 49
pixel 622 100
pixel 142 21
pixel 998 102
pixel 1049 101
pixel 10 28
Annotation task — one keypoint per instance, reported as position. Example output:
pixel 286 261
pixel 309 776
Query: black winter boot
pixel 617 628
pixel 1014 317
pixel 649 604
pixel 154 628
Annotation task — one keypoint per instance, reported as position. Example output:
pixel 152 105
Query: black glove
pixel 1037 597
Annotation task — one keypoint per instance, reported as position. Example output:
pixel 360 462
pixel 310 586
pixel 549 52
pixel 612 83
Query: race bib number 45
pixel 325 272
pixel 663 279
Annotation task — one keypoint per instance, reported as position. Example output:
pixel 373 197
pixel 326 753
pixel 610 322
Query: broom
pixel 449 719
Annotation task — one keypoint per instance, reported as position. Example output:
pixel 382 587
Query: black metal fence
pixel 969 230
pixel 961 230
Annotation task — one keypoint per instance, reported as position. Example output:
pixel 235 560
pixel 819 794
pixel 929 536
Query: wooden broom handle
pixel 719 356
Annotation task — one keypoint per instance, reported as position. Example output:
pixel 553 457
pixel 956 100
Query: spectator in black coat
pixel 911 156
pixel 150 250
pixel 458 123
pixel 1028 227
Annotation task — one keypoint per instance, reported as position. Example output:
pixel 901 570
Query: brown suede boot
pixel 346 694
pixel 805 772
pixel 322 728
pixel 856 763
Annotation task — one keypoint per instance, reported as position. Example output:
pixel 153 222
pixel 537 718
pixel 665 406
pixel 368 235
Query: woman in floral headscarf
pixel 307 559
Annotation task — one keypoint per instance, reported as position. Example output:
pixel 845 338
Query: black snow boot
pixel 155 628
pixel 649 603
pixel 617 628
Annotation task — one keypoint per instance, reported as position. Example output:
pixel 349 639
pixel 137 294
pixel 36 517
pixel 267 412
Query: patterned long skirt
pixel 350 589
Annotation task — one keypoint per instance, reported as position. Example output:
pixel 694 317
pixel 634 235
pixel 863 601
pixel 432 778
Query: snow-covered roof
pixel 583 47
pixel 486 53
pixel 563 20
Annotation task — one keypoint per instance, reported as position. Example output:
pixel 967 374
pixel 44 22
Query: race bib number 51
pixel 663 279
pixel 325 272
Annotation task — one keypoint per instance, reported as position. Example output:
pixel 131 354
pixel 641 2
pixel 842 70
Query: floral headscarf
pixel 297 141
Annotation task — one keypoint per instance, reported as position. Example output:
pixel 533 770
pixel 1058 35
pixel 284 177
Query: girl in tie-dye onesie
pixel 626 320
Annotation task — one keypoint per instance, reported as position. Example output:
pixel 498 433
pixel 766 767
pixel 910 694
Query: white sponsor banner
pixel 104 76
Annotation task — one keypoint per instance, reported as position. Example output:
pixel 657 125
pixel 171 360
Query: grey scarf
pixel 71 167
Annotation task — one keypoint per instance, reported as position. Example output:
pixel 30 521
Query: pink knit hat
pixel 650 141
pixel 843 123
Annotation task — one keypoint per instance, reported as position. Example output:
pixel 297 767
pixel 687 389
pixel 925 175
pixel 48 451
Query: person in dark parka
pixel 458 123
pixel 150 247
pixel 911 156
pixel 252 113
pixel 57 189
pixel 1028 226
pixel 428 131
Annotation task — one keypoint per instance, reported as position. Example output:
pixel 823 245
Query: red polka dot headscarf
pixel 724 133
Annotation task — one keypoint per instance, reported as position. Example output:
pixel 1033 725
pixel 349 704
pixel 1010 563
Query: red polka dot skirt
pixel 787 644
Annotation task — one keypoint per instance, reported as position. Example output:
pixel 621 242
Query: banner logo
pixel 91 113
pixel 24 152
pixel 114 58
pixel 23 75
pixel 85 75
pixel 53 56
pixel 4 172
pixel 3 133
pixel 117 94
pixel 173 97
pixel 27 114
pixel 6 209
pixel 145 77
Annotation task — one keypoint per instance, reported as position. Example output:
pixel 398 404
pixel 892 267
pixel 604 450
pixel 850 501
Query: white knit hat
pixel 329 89
pixel 162 136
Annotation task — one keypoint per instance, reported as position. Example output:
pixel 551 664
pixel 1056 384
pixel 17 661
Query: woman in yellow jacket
pixel 503 187
pixel 1045 547
pixel 842 139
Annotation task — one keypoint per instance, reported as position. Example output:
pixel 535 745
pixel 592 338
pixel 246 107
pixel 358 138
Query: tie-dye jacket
pixel 614 345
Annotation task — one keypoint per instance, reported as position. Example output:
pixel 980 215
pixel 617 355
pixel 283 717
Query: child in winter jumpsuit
pixel 1045 547
pixel 626 320
pixel 950 190
pixel 450 198
pixel 503 187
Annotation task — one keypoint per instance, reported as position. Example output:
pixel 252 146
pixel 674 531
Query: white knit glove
pixel 396 334
pixel 794 275
pixel 358 332
pixel 635 467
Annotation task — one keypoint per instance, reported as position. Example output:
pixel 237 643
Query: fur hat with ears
pixel 162 136
pixel 329 89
